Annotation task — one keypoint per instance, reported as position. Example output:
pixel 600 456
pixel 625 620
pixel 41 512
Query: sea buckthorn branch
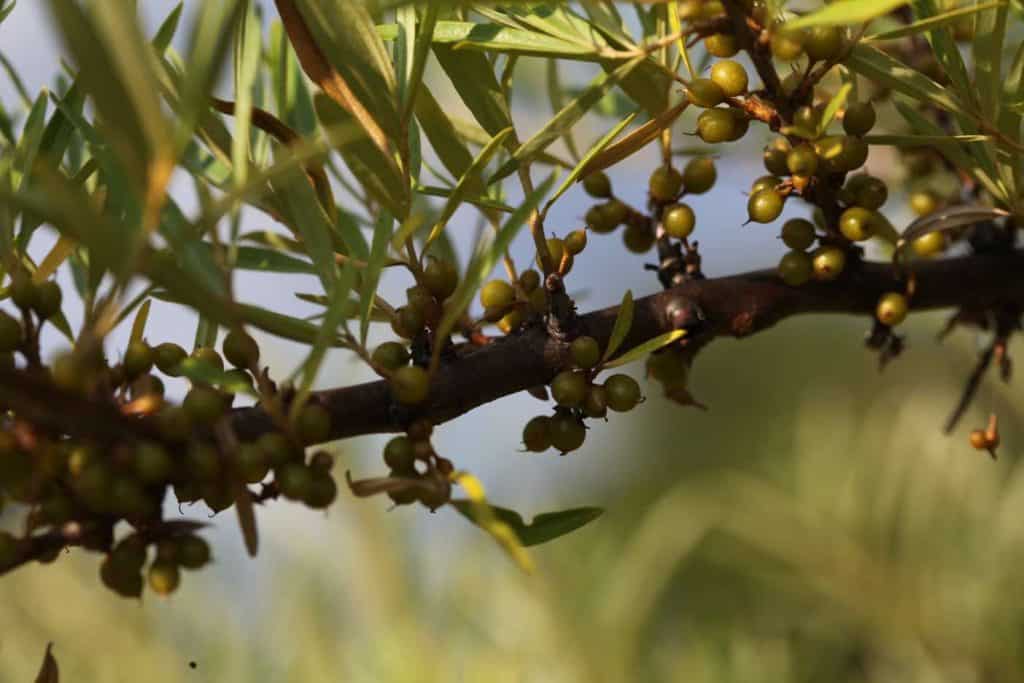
pixel 734 306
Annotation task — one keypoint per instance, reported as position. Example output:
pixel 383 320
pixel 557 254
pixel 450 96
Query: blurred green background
pixel 813 526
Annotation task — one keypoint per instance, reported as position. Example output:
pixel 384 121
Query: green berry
pixel 858 224
pixel 795 268
pixel 929 245
pixel 806 118
pixel 294 480
pixel 638 238
pixel 765 182
pixel 167 357
pixel 410 385
pixel 716 125
pixel 152 463
pixel 585 352
pixel 823 43
pixel 730 76
pixel 537 434
pixel 764 206
pixel 203 461
pixel 174 423
pixel 802 161
pixel 252 463
pixel 665 184
pixel 721 45
pixel 892 309
pixel 741 124
pixel 787 45
pixel 314 424
pixel 127 584
pixel 240 349
pixel 10 333
pixel 192 552
pixel 623 392
pixel 678 220
pixel 138 359
pixel 497 294
pixel 576 241
pixel 408 322
pixel 865 191
pixel 841 153
pixel 798 234
pixel 598 220
pixel 390 355
pixel 859 118
pixel 596 403
pixel 48 300
pixel 558 252
pixel 322 491
pixel 398 454
pixel 704 92
pixel 204 404
pixel 128 499
pixel 775 156
pixel 699 175
pixel 441 278
pixel 567 432
pixel 278 448
pixel 163 577
pixel 205 354
pixel 598 185
pixel 828 263
pixel 24 292
pixel 569 388
pixel 529 280
pixel 921 203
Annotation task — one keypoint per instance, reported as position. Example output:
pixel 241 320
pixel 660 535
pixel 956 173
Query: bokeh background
pixel 813 525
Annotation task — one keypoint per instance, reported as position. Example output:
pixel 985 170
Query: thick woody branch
pixel 735 306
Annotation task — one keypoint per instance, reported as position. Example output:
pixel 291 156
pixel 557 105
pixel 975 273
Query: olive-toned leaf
pixel 334 316
pixel 141 318
pixel 844 12
pixel 649 346
pixel 544 527
pixel 424 38
pixel 565 119
pixel 946 51
pixel 943 20
pixel 482 201
pixel 478 511
pixel 633 142
pixel 833 107
pixel 623 322
pixel 374 265
pixel 949 218
pixel 6 9
pixel 473 77
pixel 31 139
pixel 923 140
pixel 442 134
pixel 311 222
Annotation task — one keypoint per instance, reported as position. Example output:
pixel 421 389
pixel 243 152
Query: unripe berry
pixel 23 291
pixel 699 175
pixel 314 424
pixel 598 220
pixel 252 462
pixel 892 308
pixel 398 454
pixel 48 299
pixel 823 43
pixel 293 480
pixel 795 268
pixel 597 185
pixel 204 404
pixel 441 278
pixel 138 358
pixel 567 432
pixel 322 491
pixel 569 388
pixel 408 322
pixel 764 206
pixel 802 161
pixel 923 203
pixel 615 212
pixel 730 76
pixel 717 125
pixel 721 45
pixel 537 434
pixel 929 245
pixel 278 448
pixel 665 184
pixel 638 238
pixel 585 352
pixel 596 402
pixel 857 224
pixel 167 357
pixel 828 263
pixel 203 461
pixel 163 577
pixel 240 349
pixel 576 241
pixel 678 220
pixel 623 392
pixel 859 118
pixel 152 463
pixel 10 332
pixel 410 385
pixel 192 552
pixel 207 355
pixel 704 92
pixel 529 280
pixel 798 234
pixel 775 156
pixel 787 45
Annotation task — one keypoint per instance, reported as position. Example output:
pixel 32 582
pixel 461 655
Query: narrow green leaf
pixel 481 201
pixel 556 96
pixel 623 321
pixel 466 183
pixel 169 26
pixel 834 105
pixel 943 20
pixel 371 276
pixel 633 142
pixel 139 324
pixel 334 316
pixel 31 138
pixel 641 351
pixel 473 77
pixel 291 94
pixel 247 54
pixel 203 372
pixel 545 527
pixel 478 511
pixel 310 222
pixel 593 152
pixel 989 35
pixel 923 140
pixel 947 51
pixel 565 119
pixel 845 12
pixel 441 133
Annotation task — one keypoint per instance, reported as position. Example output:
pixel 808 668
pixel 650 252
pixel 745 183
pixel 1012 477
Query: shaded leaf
pixel 623 321
pixel 544 527
pixel 844 12
pixel 633 142
pixel 949 219
pixel 942 20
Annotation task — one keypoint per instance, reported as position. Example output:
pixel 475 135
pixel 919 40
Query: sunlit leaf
pixel 651 345
pixel 844 12
pixel 544 527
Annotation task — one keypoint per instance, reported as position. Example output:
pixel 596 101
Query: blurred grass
pixel 814 526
